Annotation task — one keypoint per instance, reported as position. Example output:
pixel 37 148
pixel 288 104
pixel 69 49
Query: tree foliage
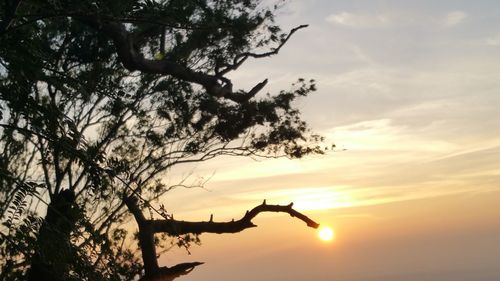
pixel 100 99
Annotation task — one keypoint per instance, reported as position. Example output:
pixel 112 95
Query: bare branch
pixel 239 59
pixel 170 273
pixel 147 228
pixel 175 227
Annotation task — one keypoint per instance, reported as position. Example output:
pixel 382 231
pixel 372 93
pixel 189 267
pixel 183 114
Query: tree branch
pixel 146 238
pixel 133 60
pixel 175 227
pixel 10 12
pixel 147 228
pixel 216 85
pixel 241 58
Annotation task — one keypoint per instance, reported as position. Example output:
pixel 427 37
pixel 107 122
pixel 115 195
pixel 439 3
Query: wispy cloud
pixel 384 136
pixel 365 20
pixel 385 162
pixel 305 198
pixel 454 18
pixel 493 40
pixel 358 20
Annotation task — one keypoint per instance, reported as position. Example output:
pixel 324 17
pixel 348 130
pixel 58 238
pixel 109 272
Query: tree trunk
pixel 54 252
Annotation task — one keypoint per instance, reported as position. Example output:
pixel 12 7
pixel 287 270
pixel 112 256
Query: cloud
pixel 454 18
pixel 377 20
pixel 358 20
pixel 493 40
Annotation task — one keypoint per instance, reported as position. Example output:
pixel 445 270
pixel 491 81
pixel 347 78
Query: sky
pixel 409 92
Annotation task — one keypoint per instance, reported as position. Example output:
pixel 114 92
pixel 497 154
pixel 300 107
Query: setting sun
pixel 326 233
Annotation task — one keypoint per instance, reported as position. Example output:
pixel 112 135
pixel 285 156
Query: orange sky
pixel 444 238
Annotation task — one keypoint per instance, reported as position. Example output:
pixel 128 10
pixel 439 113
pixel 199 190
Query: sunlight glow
pixel 306 198
pixel 326 233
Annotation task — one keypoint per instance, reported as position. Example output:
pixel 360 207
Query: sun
pixel 325 233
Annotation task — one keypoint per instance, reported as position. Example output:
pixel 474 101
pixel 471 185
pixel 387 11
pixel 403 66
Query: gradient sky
pixel 409 91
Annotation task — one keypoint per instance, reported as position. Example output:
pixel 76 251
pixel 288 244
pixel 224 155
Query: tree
pixel 100 100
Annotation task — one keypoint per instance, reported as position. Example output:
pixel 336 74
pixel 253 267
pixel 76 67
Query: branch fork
pixel 216 85
pixel 147 229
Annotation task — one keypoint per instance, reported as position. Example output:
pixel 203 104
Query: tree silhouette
pixel 100 100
